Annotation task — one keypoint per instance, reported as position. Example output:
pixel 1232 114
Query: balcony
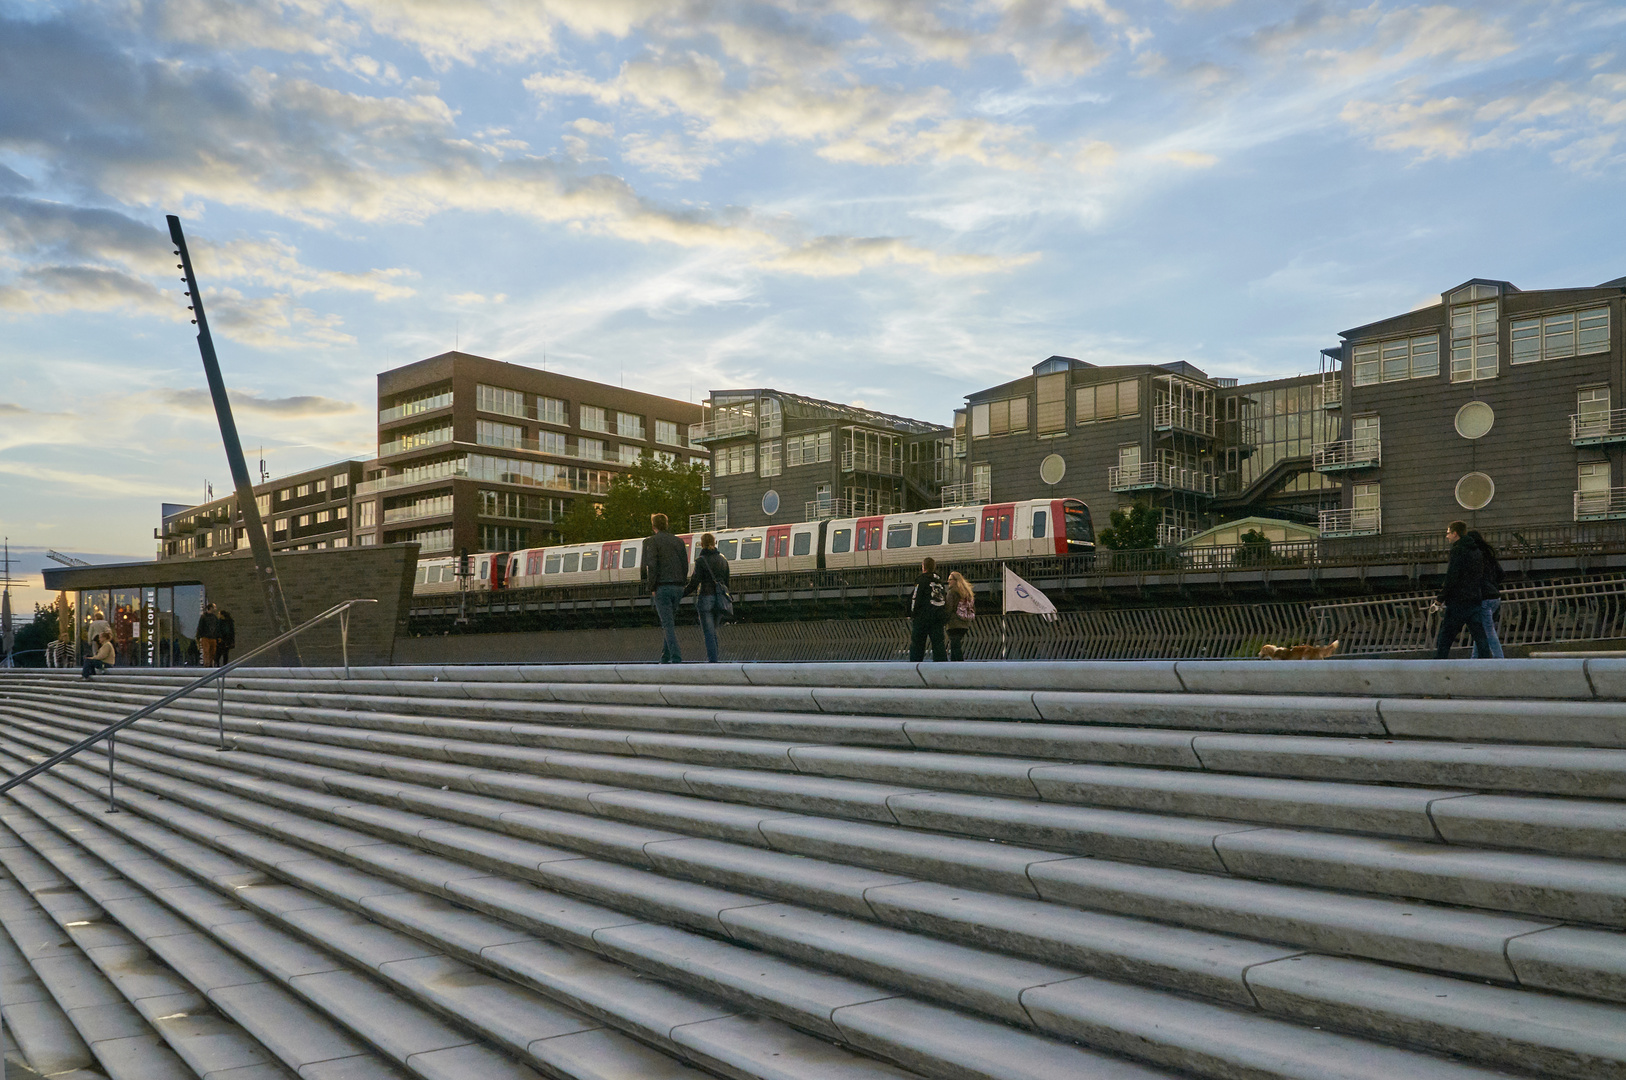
pixel 819 509
pixel 1175 418
pixel 1169 535
pixel 417 512
pixel 1597 428
pixel 395 483
pixel 1346 455
pixel 1600 505
pixel 1153 475
pixel 416 441
pixel 723 427
pixel 1335 523
pixel 707 522
pixel 969 493
pixel 859 461
pixel 413 408
pixel 1332 390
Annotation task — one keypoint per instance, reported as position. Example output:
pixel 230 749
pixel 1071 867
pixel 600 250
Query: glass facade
pixel 1262 427
pixel 152 625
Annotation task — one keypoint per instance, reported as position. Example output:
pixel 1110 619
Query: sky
pixel 885 202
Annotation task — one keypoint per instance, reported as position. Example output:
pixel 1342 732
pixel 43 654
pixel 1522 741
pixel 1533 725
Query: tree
pixel 650 487
pixel 32 637
pixel 1134 529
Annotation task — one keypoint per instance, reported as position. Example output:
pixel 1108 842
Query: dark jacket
pixel 228 631
pixel 208 625
pixel 1464 575
pixel 1491 583
pixel 921 609
pixel 702 582
pixel 665 561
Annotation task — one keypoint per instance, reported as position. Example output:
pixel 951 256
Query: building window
pixel 432 539
pixel 341 480
pixel 1108 401
pixel 773 423
pixel 367 539
pixel 304 521
pixel 410 440
pixel 719 511
pixel 321 485
pixel 498 400
pixel 1554 337
pixel 1397 360
pixel 630 454
pixel 302 491
pixel 342 513
pixel 544 474
pixel 769 459
pixel 592 418
pixel 341 541
pixel 591 449
pixel 1129 459
pixel 1365 432
pixel 665 457
pixel 491 433
pixel 1593 477
pixel 522 507
pixel 366 515
pixel 982 479
pixel 323 517
pixel 424 402
pixel 551 442
pixel 502 537
pixel 263 502
pixel 1592 411
pixel 734 460
pixel 1368 501
pixel 669 433
pixel 1473 338
pixel 1050 395
pixel 629 425
pixel 551 410
pixel 285 494
pixel 809 449
pixel 999 417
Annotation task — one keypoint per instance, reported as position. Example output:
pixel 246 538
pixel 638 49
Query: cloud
pixel 195 400
pixel 668 154
pixel 840 255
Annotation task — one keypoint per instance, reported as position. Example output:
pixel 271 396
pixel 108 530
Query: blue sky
pixel 892 202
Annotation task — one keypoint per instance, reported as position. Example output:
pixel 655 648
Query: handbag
pixel 724 610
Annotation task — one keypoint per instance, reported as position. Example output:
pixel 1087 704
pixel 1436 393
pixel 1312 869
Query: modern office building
pixel 305 511
pixel 488 455
pixel 778 456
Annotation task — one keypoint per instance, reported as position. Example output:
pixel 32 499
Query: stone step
pixel 39 1035
pixel 1233 1040
pixel 1454 941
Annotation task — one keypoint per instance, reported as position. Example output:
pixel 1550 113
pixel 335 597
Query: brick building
pixel 304 511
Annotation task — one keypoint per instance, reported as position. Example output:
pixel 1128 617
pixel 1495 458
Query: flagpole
pixel 1004 593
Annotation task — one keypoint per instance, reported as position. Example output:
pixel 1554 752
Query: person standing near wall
pixel 208 635
pixel 227 641
pixel 709 579
pixel 1462 594
pixel 666 568
pixel 962 608
pixel 928 611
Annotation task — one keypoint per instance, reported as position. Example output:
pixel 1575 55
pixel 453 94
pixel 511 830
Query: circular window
pixel 1475 491
pixel 1052 469
pixel 770 502
pixel 1474 420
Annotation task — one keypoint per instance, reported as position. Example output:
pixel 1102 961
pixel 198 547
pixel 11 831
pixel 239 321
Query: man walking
pixel 928 614
pixel 666 568
pixel 1462 594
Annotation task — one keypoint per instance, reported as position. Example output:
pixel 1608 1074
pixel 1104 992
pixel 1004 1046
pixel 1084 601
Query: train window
pixel 899 534
pixel 629 558
pixel 929 534
pixel 1005 526
pixel 752 548
pixel 841 541
pixel 590 560
pixel 730 548
pixel 1040 520
pixel 962 530
pixel 533 564
pixel 1078 525
pixel 422 573
pixel 552 565
pixel 801 544
pixel 573 562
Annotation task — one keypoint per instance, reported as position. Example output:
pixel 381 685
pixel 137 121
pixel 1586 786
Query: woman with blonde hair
pixel 962 608
pixel 710 581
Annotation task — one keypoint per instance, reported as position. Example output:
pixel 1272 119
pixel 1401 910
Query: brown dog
pixel 1297 652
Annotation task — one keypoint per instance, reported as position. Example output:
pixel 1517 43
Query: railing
pixel 819 509
pixel 959 446
pixel 1172 534
pixel 420 510
pixel 391 483
pixel 413 408
pixel 860 461
pixel 1599 505
pixel 1156 474
pixel 1178 418
pixel 216 676
pixel 1592 428
pixel 1346 454
pixel 707 522
pixel 415 441
pixel 1351 522
pixel 725 427
pixel 969 493
pixel 1332 390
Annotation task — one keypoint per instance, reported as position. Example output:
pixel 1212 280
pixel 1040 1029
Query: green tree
pixel 650 487
pixel 1134 529
pixel 32 637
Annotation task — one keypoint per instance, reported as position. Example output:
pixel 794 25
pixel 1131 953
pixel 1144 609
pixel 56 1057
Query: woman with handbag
pixel 710 580
pixel 962 608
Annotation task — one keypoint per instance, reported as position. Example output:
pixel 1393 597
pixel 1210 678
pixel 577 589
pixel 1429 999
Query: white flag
pixel 1020 596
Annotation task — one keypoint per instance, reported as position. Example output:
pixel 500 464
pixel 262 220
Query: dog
pixel 1297 652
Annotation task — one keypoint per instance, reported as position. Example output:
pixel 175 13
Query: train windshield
pixel 1079 530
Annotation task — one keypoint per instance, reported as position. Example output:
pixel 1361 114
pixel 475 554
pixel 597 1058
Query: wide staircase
pixel 1039 871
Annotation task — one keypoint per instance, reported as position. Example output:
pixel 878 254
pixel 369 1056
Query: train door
pixel 776 551
pixel 996 531
pixel 482 572
pixel 867 542
pixel 610 561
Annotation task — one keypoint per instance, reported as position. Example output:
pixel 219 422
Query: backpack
pixel 966 609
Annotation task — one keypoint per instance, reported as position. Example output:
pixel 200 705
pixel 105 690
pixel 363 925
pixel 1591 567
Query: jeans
pixel 956 640
pixel 1457 616
pixel 1487 615
pixel 666 605
pixel 706 606
pixel 919 633
pixel 93 666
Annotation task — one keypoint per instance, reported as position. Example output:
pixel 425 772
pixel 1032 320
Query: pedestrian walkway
pixel 1341 869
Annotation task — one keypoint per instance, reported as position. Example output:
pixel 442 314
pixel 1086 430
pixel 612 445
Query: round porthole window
pixel 1475 491
pixel 1475 419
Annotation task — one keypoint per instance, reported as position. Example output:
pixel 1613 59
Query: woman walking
pixel 962 608
pixel 710 580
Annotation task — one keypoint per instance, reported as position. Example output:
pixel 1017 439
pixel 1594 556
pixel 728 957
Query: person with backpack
pixel 928 612
pixel 1490 587
pixel 710 580
pixel 962 608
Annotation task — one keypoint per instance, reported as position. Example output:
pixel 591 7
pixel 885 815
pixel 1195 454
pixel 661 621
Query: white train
pixel 949 534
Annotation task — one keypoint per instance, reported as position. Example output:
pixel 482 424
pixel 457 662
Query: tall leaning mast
pixel 276 605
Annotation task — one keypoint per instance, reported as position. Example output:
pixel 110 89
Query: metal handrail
pixel 110 732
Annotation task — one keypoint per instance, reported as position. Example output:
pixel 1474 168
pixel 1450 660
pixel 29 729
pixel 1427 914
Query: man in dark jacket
pixel 1462 594
pixel 666 568
pixel 208 635
pixel 928 612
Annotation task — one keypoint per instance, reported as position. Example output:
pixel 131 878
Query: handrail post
pixel 344 640
pixel 112 807
pixel 220 705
